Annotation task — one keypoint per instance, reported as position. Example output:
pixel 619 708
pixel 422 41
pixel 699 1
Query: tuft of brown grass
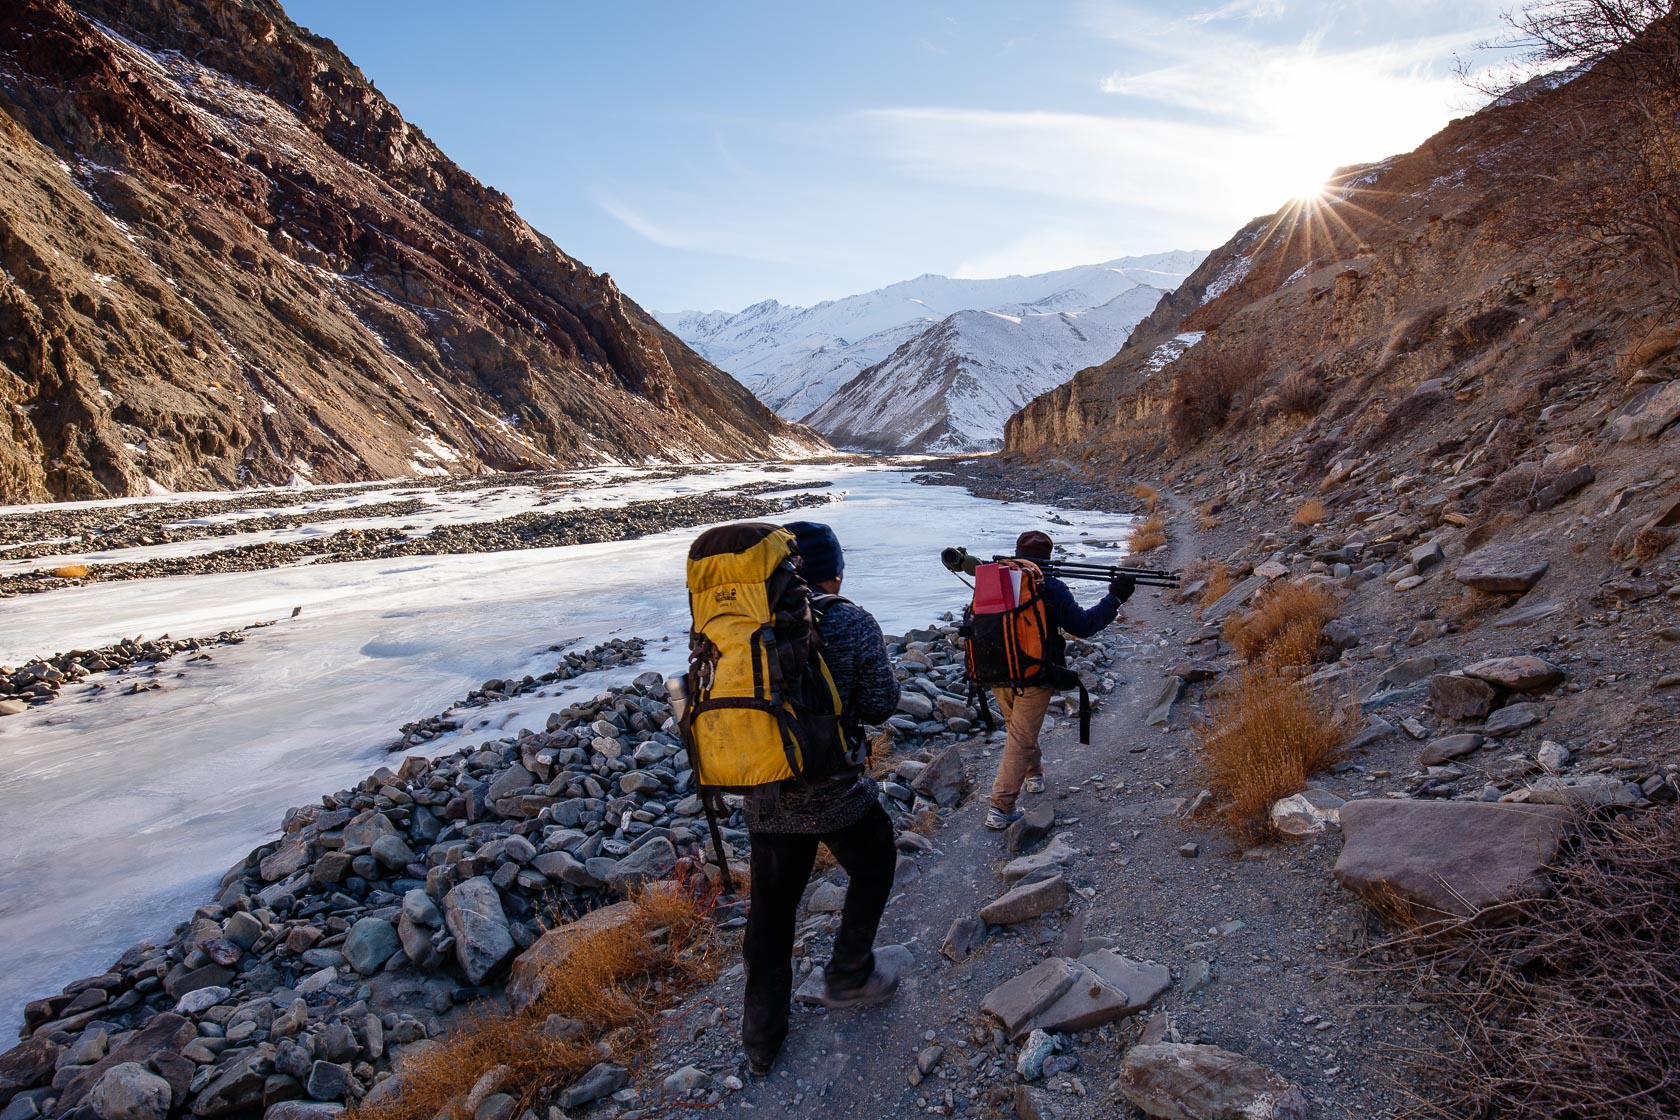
pixel 1263 739
pixel 1310 512
pixel 1150 533
pixel 1219 582
pixel 1286 625
pixel 613 982
pixel 71 571
pixel 1147 494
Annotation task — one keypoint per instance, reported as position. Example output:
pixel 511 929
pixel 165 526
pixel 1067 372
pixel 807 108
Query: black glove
pixel 1121 587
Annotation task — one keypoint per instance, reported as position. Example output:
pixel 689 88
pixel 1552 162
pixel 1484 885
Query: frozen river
pixel 119 813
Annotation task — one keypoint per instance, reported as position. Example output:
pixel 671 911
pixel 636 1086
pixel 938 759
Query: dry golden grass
pixel 71 571
pixel 1151 533
pixel 1147 494
pixel 1263 740
pixel 613 982
pixel 1310 512
pixel 1285 627
pixel 1219 582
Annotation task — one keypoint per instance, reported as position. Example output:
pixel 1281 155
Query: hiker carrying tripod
pixel 1016 644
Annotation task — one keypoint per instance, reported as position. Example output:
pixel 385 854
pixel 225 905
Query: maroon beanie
pixel 1033 545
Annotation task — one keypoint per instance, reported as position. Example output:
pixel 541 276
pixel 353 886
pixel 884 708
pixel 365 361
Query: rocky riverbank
pixel 42 679
pixel 334 954
pixel 535 529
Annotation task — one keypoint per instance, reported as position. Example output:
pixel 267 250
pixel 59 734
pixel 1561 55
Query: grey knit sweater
pixel 856 655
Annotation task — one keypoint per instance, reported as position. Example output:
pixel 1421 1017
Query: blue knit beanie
pixel 819 551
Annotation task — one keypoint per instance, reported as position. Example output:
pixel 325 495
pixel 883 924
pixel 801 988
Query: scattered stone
pixel 1035 824
pixel 1460 698
pixel 943 781
pixel 827 898
pixel 130 1091
pixel 686 1081
pixel 1519 674
pixel 1059 994
pixel 964 937
pixel 1513 718
pixel 474 916
pixel 550 951
pixel 1448 859
pixel 1179 1081
pixel 1025 902
pixel 1160 715
pixel 1552 756
pixel 1041 864
pixel 654 860
pixel 1306 813
pixel 1501 568
pixel 371 942
pixel 1190 850
pixel 1449 747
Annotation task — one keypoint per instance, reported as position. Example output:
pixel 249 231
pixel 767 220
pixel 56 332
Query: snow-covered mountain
pixel 952 386
pixel 1040 331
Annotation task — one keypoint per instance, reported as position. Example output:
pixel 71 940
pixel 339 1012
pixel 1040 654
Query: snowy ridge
pixel 952 387
pixel 798 360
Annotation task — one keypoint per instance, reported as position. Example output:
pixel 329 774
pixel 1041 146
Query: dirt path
pixel 1269 927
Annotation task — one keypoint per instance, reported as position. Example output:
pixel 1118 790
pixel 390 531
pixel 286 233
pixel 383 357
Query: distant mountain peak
pixel 953 356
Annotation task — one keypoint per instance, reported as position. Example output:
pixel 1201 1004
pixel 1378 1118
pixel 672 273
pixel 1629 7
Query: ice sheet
pixel 119 813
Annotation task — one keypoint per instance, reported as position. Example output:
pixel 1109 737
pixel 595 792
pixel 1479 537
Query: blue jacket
pixel 1065 615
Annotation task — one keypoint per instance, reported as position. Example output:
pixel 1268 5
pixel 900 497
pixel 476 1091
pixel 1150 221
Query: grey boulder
pixel 1433 860
pixel 130 1091
pixel 473 913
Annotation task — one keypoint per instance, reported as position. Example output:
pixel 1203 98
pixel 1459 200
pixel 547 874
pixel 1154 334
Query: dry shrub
pixel 1302 393
pixel 1514 488
pixel 1286 626
pixel 1310 512
pixel 1150 533
pixel 1219 582
pixel 613 982
pixel 1409 332
pixel 1650 543
pixel 1653 342
pixel 1147 494
pixel 1213 386
pixel 1263 740
pixel 1573 1011
pixel 1482 329
pixel 71 571
pixel 1406 416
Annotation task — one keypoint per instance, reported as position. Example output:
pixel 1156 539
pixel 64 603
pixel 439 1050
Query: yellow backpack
pixel 762 706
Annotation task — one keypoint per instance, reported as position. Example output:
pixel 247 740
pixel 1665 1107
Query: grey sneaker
pixel 997 821
pixel 1034 784
pixel 877 989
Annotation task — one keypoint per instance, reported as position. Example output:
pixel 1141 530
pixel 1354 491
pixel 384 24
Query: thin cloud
pixel 1249 10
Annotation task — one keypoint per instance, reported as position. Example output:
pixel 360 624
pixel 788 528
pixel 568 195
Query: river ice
pixel 119 813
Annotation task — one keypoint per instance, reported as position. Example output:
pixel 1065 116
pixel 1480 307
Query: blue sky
pixel 709 155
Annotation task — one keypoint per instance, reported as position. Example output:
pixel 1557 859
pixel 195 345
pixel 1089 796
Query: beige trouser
pixel 1023 716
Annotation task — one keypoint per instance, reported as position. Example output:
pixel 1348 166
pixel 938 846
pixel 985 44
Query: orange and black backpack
pixel 1006 631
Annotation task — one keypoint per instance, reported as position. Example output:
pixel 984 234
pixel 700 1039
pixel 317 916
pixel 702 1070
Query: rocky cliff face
pixel 1458 294
pixel 228 259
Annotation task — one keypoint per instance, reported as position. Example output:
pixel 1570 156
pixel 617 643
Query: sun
pixel 1310 189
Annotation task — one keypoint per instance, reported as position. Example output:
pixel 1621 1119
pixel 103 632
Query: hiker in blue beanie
pixel 788 820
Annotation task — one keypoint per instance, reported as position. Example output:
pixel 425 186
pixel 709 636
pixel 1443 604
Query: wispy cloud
pixel 1239 9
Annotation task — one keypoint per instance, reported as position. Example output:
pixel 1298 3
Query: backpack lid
pixel 744 552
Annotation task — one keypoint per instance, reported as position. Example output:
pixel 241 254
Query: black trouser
pixel 781 866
